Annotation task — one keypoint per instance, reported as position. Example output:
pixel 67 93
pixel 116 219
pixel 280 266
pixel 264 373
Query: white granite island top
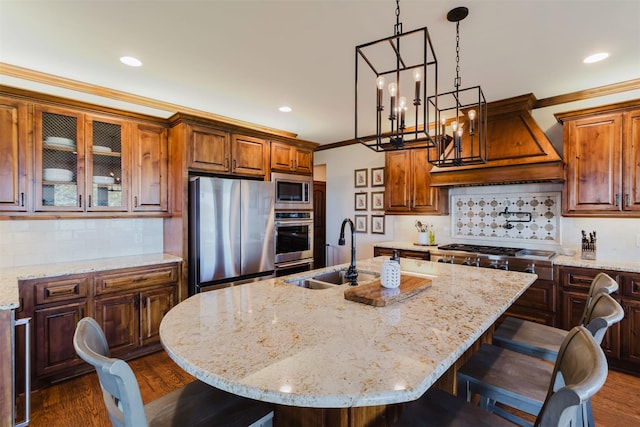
pixel 289 345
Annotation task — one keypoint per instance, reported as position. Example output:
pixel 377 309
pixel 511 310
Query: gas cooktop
pixel 481 249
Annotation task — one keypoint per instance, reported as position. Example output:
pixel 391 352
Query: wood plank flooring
pixel 78 402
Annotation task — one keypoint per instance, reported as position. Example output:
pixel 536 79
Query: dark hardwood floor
pixel 78 402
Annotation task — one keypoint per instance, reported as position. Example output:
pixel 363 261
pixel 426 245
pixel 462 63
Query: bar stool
pixel 544 341
pixel 520 381
pixel 581 362
pixel 195 404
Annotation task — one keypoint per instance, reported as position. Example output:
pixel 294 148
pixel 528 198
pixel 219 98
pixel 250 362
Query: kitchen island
pixel 304 349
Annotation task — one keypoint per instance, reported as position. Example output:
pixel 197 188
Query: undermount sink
pixel 330 279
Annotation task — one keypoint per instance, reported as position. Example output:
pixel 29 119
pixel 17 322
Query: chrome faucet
pixel 352 273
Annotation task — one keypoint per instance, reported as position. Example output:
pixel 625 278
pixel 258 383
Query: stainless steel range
pixel 535 261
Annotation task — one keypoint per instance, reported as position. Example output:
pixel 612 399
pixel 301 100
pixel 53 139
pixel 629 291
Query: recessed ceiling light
pixel 595 57
pixel 284 109
pixel 131 61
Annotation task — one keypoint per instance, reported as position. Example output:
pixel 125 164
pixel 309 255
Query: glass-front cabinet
pixel 79 161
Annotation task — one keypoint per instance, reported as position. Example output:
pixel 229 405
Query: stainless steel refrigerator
pixel 230 232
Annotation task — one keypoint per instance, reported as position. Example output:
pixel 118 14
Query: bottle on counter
pixel 390 274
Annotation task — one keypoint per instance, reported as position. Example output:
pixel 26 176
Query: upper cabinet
pixel 81 161
pixel 602 156
pixel 217 151
pixel 291 158
pixel 14 155
pixel 65 158
pixel 408 187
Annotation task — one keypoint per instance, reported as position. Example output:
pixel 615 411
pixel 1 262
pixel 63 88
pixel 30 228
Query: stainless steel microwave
pixel 293 192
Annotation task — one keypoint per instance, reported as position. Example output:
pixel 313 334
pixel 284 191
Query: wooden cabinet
pixel 217 151
pixel 408 184
pixel 150 176
pixel 290 158
pixel 403 253
pixel 622 341
pixel 537 304
pixel 129 305
pixel 602 155
pixel 15 158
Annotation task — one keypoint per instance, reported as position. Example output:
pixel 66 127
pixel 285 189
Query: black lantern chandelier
pixel 405 63
pixel 423 121
pixel 467 144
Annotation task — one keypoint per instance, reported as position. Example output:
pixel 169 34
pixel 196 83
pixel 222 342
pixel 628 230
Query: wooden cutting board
pixel 375 294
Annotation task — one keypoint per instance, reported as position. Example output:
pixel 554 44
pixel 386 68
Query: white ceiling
pixel 243 59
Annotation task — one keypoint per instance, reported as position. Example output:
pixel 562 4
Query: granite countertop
pixel 280 343
pixel 573 261
pixel 9 277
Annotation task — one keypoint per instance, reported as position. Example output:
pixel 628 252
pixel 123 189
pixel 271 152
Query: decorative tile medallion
pixel 531 216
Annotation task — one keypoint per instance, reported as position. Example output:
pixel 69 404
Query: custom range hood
pixel 518 151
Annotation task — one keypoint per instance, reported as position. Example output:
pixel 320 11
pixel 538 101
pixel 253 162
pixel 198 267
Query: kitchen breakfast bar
pixel 325 360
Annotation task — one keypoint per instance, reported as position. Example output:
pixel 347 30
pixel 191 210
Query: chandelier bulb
pixel 403 102
pixel 454 126
pixel 393 88
pixel 472 114
pixel 380 82
pixel 417 76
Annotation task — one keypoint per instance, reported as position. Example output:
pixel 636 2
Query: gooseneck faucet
pixel 352 273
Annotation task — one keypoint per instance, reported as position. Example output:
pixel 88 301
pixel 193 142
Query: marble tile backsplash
pixel 528 216
pixel 48 241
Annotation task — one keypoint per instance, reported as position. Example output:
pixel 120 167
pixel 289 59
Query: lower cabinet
pixel 622 341
pixel 129 305
pixel 537 304
pixel 403 253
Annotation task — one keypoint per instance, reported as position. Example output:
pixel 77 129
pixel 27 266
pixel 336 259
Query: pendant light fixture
pixel 393 77
pixel 460 115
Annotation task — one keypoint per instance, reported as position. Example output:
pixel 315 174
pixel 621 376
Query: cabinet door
pixel 630 331
pixel 425 198
pixel 631 162
pixel 282 156
pixel 304 160
pixel 154 305
pixel 249 155
pixel 107 164
pixel 593 158
pixel 150 169
pixel 14 155
pixel 397 186
pixel 53 337
pixel 118 317
pixel 59 160
pixel 209 149
pixel 573 304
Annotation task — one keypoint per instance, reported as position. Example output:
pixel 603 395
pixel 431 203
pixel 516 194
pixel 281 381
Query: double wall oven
pixel 293 242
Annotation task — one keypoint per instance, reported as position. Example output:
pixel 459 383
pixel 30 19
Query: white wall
pixel 31 242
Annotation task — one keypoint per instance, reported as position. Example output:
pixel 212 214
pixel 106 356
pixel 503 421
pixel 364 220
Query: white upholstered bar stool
pixel 195 404
pixel 582 364
pixel 544 341
pixel 520 381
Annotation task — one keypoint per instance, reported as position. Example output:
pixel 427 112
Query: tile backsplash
pixel 505 216
pixel 31 242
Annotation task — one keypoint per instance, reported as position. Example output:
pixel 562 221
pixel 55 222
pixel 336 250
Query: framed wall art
pixel 377 177
pixel 377 201
pixel 360 201
pixel 360 178
pixel 361 223
pixel 377 224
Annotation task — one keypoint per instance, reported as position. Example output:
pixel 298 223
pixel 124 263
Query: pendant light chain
pixel 398 26
pixel 458 80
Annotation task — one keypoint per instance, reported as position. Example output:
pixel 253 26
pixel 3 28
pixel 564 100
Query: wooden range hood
pixel 518 151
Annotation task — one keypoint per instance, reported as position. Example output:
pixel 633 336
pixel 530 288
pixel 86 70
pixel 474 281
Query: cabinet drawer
pixel 541 295
pixel 631 285
pixel 61 290
pixel 137 278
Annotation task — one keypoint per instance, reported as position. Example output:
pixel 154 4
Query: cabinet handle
pixel 226 163
pixel 234 164
pixel 89 205
pixel 292 166
pixel 80 200
pixel 135 201
pixel 626 200
pixel 617 199
pixel 22 199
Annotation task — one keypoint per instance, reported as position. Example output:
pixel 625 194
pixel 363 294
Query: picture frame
pixel 377 224
pixel 377 177
pixel 360 178
pixel 360 223
pixel 377 201
pixel 360 201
